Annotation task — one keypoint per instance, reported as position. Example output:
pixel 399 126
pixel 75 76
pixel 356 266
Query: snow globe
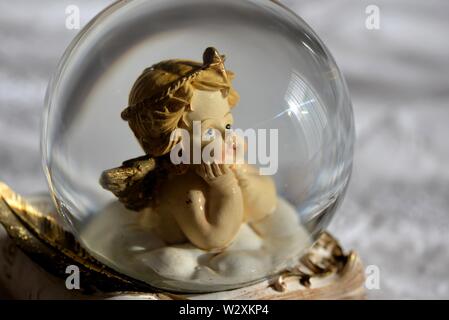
pixel 197 146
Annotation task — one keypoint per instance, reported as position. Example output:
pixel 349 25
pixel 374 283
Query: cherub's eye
pixel 228 126
pixel 209 134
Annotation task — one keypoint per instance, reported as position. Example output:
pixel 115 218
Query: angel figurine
pixel 202 203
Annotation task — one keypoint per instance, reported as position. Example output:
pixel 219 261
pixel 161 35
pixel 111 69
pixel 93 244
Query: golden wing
pixel 132 182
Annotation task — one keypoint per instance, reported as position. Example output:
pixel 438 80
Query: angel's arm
pixel 259 192
pixel 212 220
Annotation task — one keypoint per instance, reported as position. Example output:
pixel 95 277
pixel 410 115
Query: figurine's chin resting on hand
pixel 206 208
pixel 209 204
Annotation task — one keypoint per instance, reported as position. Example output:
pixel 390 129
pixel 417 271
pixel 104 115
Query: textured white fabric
pixel 396 213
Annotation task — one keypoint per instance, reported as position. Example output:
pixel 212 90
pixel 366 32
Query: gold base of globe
pixel 323 272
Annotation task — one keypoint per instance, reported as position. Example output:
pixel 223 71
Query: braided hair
pixel 160 97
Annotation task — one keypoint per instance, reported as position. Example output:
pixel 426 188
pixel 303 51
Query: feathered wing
pixel 132 183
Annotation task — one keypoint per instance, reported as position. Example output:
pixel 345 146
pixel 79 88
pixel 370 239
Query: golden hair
pixel 160 98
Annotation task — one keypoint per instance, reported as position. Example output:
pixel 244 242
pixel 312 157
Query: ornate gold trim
pixel 54 248
pixel 324 258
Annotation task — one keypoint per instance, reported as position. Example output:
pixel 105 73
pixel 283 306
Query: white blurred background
pixel 396 212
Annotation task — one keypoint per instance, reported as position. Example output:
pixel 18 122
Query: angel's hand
pixel 216 174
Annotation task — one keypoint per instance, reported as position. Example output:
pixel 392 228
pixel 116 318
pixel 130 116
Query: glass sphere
pixel 287 80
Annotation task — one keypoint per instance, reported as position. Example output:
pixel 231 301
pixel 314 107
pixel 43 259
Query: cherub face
pixel 212 110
